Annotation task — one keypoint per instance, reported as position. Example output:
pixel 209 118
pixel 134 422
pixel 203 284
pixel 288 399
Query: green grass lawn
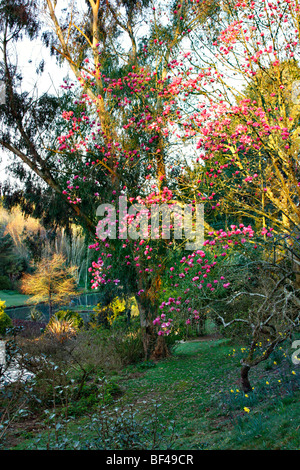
pixel 198 390
pixel 13 298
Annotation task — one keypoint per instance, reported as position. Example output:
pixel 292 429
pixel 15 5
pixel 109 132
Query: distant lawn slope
pixel 13 298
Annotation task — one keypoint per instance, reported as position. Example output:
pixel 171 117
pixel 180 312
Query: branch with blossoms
pixel 198 277
pixel 258 292
pixel 247 136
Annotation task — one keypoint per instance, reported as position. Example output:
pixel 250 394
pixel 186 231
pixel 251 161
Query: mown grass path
pixel 198 388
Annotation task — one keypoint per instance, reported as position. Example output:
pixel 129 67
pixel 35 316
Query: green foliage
pixel 111 314
pixel 129 346
pixel 99 317
pixel 108 314
pixel 122 430
pixel 6 250
pixel 5 320
pixel 70 315
pixel 145 365
pixel 10 265
pixel 117 307
pixel 94 393
pixel 111 429
pixel 120 322
pixel 35 315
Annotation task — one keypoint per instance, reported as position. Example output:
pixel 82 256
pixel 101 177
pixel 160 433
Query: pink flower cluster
pixel 163 324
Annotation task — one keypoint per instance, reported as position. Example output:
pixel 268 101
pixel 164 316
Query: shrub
pixel 117 307
pixel 110 429
pixel 35 315
pixel 107 349
pixel 97 392
pixel 129 346
pixel 120 322
pixel 113 314
pixel 99 318
pixel 61 329
pixel 5 320
pixel 71 315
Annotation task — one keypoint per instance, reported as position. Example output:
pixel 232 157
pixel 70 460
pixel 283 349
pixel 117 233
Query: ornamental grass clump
pixel 61 329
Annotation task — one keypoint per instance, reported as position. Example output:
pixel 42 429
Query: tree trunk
pixel 246 386
pixel 50 309
pixel 160 349
pixel 154 345
pixel 201 326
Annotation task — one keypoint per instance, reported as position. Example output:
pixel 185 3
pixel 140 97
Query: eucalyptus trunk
pixel 155 346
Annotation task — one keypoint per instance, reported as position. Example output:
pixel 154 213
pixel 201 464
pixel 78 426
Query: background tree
pixel 11 265
pixel 52 282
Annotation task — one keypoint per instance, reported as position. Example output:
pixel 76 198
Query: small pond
pixel 22 312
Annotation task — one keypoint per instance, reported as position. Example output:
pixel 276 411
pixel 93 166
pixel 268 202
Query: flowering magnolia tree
pixel 224 135
pixel 246 121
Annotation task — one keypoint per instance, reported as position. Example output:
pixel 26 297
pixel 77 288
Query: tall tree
pixel 123 95
pixel 125 155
